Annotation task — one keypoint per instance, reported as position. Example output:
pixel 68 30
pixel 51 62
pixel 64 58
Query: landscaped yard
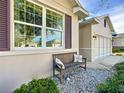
pixel 98 78
pixel 115 84
pixel 77 81
pixel 80 81
pixel 118 52
pixel 94 80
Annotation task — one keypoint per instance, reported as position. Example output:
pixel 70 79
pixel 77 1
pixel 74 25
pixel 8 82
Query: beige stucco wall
pixel 85 41
pixel 17 67
pixel 61 5
pixel 101 30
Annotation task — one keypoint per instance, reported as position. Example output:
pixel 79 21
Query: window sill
pixel 31 52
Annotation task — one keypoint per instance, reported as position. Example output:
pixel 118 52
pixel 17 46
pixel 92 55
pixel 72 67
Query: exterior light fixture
pixel 94 36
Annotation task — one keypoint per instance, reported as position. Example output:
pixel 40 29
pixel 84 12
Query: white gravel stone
pixel 81 81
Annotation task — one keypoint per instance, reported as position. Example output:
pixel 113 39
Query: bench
pixel 68 61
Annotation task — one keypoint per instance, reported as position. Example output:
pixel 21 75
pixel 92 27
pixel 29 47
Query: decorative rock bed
pixel 80 81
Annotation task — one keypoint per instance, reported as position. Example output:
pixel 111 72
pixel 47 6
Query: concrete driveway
pixel 105 62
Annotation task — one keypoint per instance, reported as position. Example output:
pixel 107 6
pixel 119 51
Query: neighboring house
pixel 118 41
pixel 30 32
pixel 95 38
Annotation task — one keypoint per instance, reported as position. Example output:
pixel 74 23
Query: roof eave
pixel 80 11
pixel 89 21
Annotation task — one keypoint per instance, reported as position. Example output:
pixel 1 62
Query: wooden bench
pixel 68 61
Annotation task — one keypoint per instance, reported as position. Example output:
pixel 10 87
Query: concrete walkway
pixel 105 62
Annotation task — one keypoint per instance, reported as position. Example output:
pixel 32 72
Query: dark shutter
pixel 4 25
pixel 68 32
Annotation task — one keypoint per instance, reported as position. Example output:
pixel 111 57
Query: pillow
pixel 77 58
pixel 59 63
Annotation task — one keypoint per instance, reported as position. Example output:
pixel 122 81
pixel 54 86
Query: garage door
pixel 102 46
pixel 109 47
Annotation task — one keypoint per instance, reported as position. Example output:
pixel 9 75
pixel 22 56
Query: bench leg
pixel 61 77
pixel 53 71
pixel 85 66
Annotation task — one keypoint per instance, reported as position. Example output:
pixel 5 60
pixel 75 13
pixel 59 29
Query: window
pixel 27 36
pixel 104 22
pixel 54 24
pixel 54 20
pixel 25 11
pixel 54 38
pixel 30 30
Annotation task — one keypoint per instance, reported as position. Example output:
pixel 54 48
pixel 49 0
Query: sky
pixel 114 8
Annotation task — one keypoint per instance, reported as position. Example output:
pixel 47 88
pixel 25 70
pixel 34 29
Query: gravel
pixel 81 81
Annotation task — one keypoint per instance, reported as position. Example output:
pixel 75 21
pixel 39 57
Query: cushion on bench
pixel 72 64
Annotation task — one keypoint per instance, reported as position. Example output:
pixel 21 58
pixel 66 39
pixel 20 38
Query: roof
pixel 89 21
pixel 119 35
pixel 97 19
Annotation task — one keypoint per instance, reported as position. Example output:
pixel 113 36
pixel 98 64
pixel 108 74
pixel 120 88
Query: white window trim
pixel 24 23
pixel 12 40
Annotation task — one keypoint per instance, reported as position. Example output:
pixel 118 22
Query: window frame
pixel 43 27
pixel 63 28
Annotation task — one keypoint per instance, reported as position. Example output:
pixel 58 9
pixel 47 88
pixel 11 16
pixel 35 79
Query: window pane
pixel 28 12
pixel 19 4
pixel 16 14
pixel 19 35
pixel 33 36
pixel 38 20
pixel 30 18
pixel 21 16
pixel 27 36
pixel 37 39
pixel 38 15
pixel 54 20
pixel 38 10
pixel 53 38
pixel 29 7
pixel 29 30
pixel 19 8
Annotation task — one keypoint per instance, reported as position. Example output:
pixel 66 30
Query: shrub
pixel 114 50
pixel 102 88
pixel 121 89
pixel 119 66
pixel 112 85
pixel 38 86
pixel 115 84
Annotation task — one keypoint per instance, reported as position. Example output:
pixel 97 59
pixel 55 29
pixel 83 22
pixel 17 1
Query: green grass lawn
pixel 115 84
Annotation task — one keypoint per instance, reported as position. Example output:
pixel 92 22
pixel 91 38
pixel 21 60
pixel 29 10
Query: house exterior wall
pixel 101 30
pixel 93 48
pixel 102 44
pixel 85 41
pixel 118 42
pixel 20 66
